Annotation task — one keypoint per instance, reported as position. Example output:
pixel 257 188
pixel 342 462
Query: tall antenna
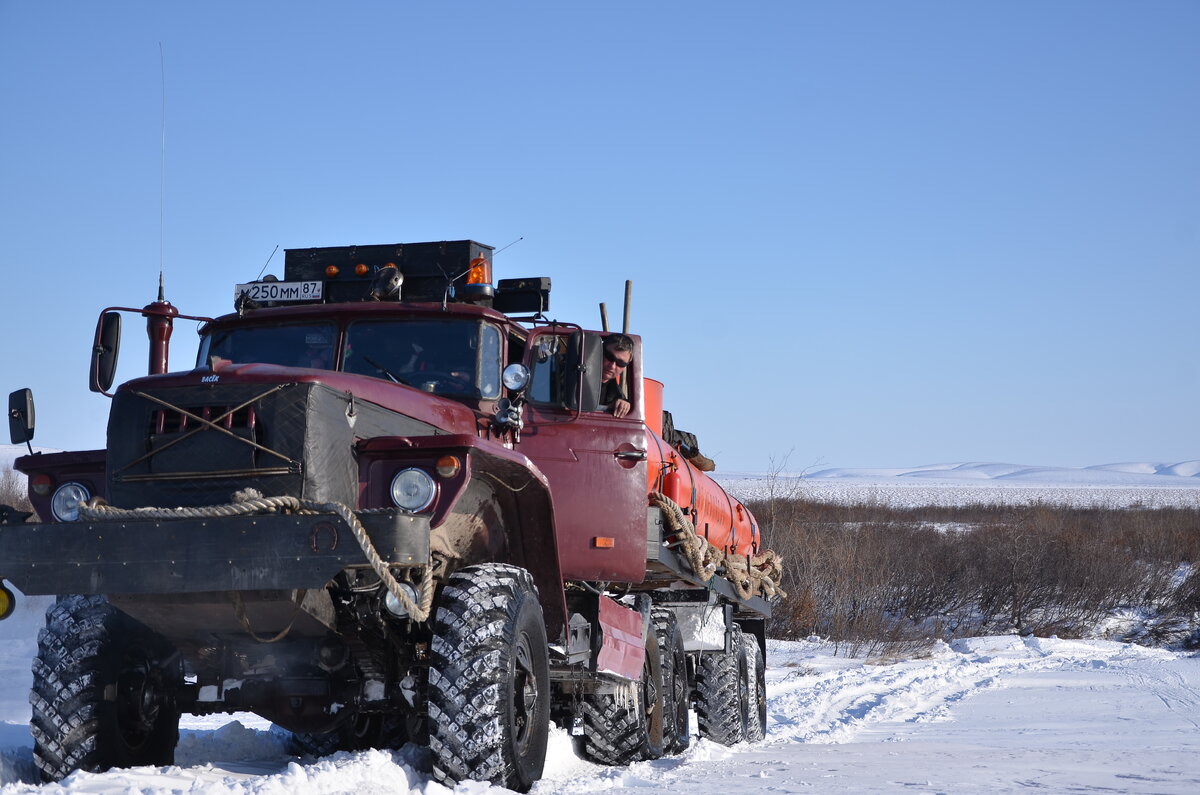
pixel 518 240
pixel 162 167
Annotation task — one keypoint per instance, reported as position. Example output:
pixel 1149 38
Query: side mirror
pixel 105 350
pixel 20 416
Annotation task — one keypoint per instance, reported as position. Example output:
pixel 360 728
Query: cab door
pixel 595 462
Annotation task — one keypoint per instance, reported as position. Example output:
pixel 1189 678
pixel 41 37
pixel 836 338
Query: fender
pixel 85 466
pixel 528 515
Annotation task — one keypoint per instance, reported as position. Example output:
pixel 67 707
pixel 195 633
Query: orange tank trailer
pixel 726 523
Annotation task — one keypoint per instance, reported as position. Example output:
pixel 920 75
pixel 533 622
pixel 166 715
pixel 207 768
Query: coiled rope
pixel 251 501
pixel 750 576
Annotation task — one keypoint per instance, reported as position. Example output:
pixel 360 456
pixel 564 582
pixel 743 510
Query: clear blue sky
pixel 860 233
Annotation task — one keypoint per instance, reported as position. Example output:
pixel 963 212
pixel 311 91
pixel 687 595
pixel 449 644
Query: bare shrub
pixel 871 576
pixel 12 490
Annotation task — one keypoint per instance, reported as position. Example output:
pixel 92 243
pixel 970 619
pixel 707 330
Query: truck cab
pixel 385 492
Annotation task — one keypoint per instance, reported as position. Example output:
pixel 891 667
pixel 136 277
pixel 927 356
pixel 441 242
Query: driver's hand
pixel 620 407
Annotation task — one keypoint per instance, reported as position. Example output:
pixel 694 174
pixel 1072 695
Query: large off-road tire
pixel 717 698
pixel 676 690
pixel 489 679
pixel 103 691
pixel 752 687
pixel 625 727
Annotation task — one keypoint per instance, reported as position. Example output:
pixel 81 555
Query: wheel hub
pixel 525 692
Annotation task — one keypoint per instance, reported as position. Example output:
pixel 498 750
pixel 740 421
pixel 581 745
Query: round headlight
pixel 412 490
pixel 65 502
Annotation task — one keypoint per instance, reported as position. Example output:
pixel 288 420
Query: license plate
pixel 281 291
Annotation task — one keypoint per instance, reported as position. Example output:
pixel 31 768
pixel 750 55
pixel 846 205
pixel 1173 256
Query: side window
pixel 616 366
pixel 489 362
pixel 567 370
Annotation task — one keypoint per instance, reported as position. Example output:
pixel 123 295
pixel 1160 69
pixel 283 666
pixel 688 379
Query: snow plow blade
pixel 239 553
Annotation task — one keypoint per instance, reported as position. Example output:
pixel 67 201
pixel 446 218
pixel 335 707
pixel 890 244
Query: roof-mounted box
pixel 429 269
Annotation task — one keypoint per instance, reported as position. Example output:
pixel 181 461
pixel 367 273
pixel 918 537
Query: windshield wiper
pixel 382 369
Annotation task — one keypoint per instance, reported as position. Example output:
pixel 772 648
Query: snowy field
pixel 995 714
pixel 1106 486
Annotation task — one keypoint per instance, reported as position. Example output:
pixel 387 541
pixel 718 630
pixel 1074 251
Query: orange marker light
pixel 7 603
pixel 361 269
pixel 448 466
pixel 332 270
pixel 604 542
pixel 481 271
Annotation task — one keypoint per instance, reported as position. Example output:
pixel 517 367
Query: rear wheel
pixel 717 698
pixel 620 728
pixel 489 679
pixel 752 671
pixel 103 691
pixel 676 701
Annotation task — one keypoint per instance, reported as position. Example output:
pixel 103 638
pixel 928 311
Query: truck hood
pixel 446 415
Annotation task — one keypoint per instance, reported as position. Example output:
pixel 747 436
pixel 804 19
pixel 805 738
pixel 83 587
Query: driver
pixel 618 353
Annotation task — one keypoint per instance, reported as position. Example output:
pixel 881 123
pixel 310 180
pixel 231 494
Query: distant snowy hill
pixel 1111 485
pixel 1186 473
pixel 1106 485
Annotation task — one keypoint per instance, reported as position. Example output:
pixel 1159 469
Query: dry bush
pixel 12 490
pixel 870 576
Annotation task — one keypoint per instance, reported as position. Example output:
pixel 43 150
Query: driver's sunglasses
pixel 612 357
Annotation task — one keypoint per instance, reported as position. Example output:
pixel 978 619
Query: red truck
pixel 387 506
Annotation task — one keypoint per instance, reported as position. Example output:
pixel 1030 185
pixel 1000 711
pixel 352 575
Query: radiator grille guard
pixel 284 440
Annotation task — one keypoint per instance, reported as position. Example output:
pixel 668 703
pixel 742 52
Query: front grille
pixel 284 440
pixel 230 417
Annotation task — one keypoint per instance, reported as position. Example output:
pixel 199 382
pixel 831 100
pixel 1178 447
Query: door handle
pixel 630 455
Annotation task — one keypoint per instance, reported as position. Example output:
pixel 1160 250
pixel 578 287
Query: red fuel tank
pixel 726 523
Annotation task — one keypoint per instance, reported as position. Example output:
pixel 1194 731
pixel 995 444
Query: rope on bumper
pixel 251 501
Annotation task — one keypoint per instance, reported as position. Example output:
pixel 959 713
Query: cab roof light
pixel 480 272
pixel 331 271
pixel 361 269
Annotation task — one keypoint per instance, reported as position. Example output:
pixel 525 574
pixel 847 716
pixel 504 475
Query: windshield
pixel 446 357
pixel 309 345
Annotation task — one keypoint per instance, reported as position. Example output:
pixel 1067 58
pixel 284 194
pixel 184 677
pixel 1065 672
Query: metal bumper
pixel 241 553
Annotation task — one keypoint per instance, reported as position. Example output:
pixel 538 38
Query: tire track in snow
pixel 836 707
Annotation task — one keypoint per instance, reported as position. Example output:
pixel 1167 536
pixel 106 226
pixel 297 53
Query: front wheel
pixel 103 691
pixel 489 679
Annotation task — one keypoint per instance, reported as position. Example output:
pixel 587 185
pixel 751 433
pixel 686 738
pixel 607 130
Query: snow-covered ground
pixel 994 714
pixel 1106 486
